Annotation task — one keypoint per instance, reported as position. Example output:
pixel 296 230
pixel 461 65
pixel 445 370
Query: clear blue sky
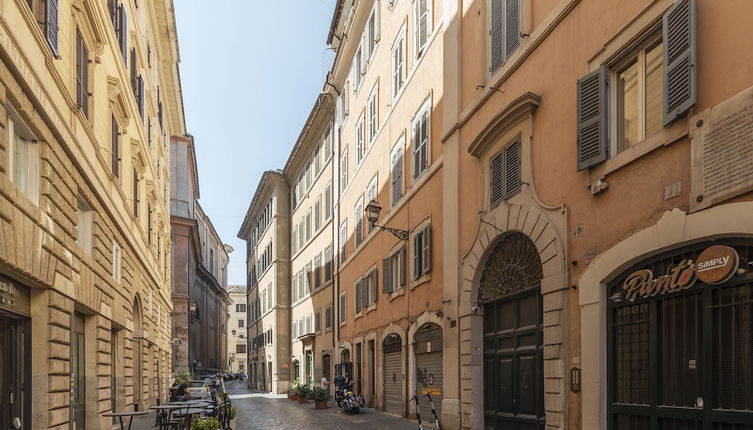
pixel 250 71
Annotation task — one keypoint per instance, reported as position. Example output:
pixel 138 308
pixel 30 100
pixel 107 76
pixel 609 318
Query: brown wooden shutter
pixel 497 178
pixel 123 32
pixel 512 169
pixel 497 34
pixel 679 28
pixel 402 265
pixel 51 25
pixel 387 275
pixel 512 26
pixel 593 142
pixel 426 260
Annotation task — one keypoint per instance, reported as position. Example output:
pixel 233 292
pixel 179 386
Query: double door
pixel 15 383
pixel 513 363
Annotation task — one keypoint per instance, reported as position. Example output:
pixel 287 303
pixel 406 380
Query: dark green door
pixel 79 373
pixel 513 363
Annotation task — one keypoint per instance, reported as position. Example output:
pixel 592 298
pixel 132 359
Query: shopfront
pixel 15 355
pixel 679 334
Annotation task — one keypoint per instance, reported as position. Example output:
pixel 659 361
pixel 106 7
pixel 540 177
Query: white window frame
pixel 343 239
pixel 358 69
pixel 425 108
pixel 398 69
pixel 360 139
pixel 418 50
pixel 318 213
pixel 18 132
pixel 358 224
pixel 343 171
pixel 372 109
pixel 328 202
pixel 398 149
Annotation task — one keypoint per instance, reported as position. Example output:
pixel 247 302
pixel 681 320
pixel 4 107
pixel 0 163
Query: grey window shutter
pixel 497 178
pixel 679 28
pixel 416 149
pixel 387 275
pixel 512 26
pixel 402 265
pixel 51 25
pixel 397 179
pixel 426 260
pixel 416 257
pixel 512 169
pixel 365 292
pixel 497 34
pixel 593 142
pixel 374 286
pixel 358 296
pixel 79 68
pixel 140 96
pixel 123 33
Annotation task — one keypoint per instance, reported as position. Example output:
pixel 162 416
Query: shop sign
pixel 714 265
pixel 14 297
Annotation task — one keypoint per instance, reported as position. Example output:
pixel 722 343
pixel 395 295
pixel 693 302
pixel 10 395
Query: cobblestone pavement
pixel 257 411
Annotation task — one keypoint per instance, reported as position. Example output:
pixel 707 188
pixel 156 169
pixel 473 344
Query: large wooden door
pixel 513 363
pixel 14 373
pixel 78 374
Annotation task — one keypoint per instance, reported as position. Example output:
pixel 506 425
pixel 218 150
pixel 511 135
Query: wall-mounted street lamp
pixel 233 332
pixel 575 379
pixel 372 214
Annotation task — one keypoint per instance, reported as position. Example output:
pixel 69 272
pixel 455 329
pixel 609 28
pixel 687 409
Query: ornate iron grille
pixel 513 266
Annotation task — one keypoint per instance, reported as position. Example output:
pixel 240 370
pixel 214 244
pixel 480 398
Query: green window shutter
pixel 679 32
pixel 358 297
pixel 387 275
pixel 593 142
pixel 402 267
pixel 426 260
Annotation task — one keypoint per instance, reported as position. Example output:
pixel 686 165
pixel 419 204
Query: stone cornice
pixel 511 115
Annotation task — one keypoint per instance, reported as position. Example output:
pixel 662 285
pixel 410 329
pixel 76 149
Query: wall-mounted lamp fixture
pixel 372 214
pixel 575 379
pixel 233 332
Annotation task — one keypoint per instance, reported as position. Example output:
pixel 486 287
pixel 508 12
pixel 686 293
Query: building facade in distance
pixel 199 266
pixel 266 230
pixel 237 342
pixel 89 95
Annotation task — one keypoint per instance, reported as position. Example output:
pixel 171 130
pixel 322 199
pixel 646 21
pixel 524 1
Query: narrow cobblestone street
pixel 275 412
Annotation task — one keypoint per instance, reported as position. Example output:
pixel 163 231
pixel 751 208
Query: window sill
pixel 397 293
pixel 372 307
pixel 420 281
pixel 665 137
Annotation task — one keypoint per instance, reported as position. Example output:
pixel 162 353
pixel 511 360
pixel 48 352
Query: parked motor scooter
pixel 347 400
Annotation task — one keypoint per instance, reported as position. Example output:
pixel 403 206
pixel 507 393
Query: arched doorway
pixel 392 368
pixel 137 356
pixel 428 350
pixel 345 367
pixel 510 291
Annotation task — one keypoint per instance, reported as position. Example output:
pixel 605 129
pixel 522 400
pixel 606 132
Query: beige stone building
pixel 89 96
pixel 266 230
pixel 308 172
pixel 237 342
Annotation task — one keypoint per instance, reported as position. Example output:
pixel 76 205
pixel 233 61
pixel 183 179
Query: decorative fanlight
pixel 514 265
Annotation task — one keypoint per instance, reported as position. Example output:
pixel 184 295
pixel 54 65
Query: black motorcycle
pixel 347 400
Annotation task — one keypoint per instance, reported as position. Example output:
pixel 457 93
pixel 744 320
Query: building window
pixel 360 143
pixel 396 171
pixel 359 222
pixel 46 14
pixel 135 193
pixel 84 225
pixel 369 289
pixel 328 317
pixel 398 63
pixel 372 32
pixel 23 156
pixel 373 113
pixel 240 348
pixel 358 296
pixel 116 261
pixel 393 271
pixel 241 323
pixel 115 147
pixel 122 32
pixel 317 271
pixel 82 75
pixel 309 281
pixel 294 287
pixel 318 321
pixel 357 69
pixel 343 171
pixel 504 36
pixel 328 202
pixel 421 141
pixel 240 307
pixel 423 22
pixel 149 229
pixel 308 226
pixel 342 307
pixel 422 252
pixel 327 144
pixel 343 241
pixel 328 264
pixel 504 173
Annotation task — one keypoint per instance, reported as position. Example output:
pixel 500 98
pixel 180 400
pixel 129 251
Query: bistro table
pixel 120 416
pixel 169 408
pixel 188 415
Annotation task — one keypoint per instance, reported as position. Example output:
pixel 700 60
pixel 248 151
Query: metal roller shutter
pixel 430 372
pixel 393 383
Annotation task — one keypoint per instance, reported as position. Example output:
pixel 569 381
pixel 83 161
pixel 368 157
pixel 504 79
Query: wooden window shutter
pixel 374 286
pixel 387 275
pixel 112 8
pixel 416 149
pixel 51 25
pixel 512 26
pixel 140 94
pixel 497 34
pixel 426 260
pixel 79 68
pixel 512 169
pixel 417 256
pixel 402 265
pixel 397 178
pixel 358 297
pixel 679 28
pixel 496 178
pixel 123 32
pixel 115 148
pixel 593 142
pixel 365 291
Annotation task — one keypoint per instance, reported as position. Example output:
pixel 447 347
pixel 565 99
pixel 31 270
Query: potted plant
pixel 303 391
pixel 293 392
pixel 206 423
pixel 319 397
